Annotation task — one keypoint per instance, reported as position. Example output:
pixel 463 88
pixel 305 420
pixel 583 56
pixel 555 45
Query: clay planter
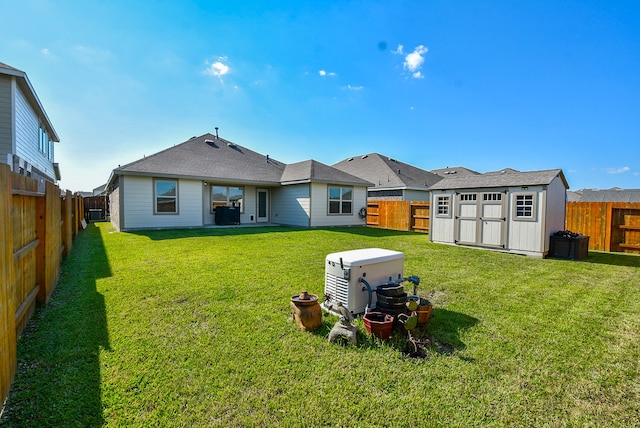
pixel 306 311
pixel 378 324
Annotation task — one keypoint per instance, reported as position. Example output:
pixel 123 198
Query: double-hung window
pixel 340 200
pixel 166 196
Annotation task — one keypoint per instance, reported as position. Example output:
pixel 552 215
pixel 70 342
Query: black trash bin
pixel 569 245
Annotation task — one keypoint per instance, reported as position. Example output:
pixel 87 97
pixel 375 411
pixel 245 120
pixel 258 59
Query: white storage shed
pixel 506 210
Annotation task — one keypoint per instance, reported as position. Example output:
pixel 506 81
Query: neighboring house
pixel 510 211
pixel 606 195
pixel 185 185
pixel 392 179
pixel 26 134
pixel 454 171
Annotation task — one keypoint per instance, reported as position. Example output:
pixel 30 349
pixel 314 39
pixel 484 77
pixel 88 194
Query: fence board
pixel 31 244
pixel 7 302
pixel 398 215
pixel 604 223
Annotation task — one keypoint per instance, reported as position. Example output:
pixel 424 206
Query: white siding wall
pixel 525 236
pixel 320 207
pixel 27 137
pixel 556 209
pixel 291 205
pixel 441 229
pixel 138 204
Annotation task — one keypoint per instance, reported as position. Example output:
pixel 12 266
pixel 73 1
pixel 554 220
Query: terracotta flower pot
pixel 378 324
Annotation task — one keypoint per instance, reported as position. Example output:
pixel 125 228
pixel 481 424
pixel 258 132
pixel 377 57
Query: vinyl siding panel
pixel 6 140
pixel 138 201
pixel 27 125
pixel 556 205
pixel 319 207
pixel 524 236
pixel 442 228
pixel 290 205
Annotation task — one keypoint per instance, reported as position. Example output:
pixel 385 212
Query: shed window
pixel 166 196
pixel 340 200
pixel 443 205
pixel 468 197
pixel 525 206
pixel 227 196
pixel 492 197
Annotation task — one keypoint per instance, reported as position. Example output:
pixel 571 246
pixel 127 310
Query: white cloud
pixel 354 88
pixel 620 170
pixel 218 69
pixel 413 61
pixel 326 73
pixel 399 50
pixel 44 51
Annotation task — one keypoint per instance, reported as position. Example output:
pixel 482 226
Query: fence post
pixel 7 301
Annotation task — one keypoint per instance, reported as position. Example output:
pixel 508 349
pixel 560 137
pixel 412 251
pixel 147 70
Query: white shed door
pixel 493 220
pixel 467 218
pixel 481 219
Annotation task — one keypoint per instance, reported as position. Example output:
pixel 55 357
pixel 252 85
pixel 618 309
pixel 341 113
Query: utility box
pixel 344 269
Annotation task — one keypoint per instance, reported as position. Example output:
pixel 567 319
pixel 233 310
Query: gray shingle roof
pixel 506 179
pixel 208 157
pixel 385 172
pixel 605 195
pixel 457 171
pixel 314 171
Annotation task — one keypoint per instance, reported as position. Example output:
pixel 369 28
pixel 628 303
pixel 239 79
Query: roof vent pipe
pixel 216 132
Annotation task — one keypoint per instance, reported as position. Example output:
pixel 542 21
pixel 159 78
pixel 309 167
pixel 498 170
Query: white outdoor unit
pixel 344 269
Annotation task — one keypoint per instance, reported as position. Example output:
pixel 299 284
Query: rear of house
pixel 508 210
pixel 192 183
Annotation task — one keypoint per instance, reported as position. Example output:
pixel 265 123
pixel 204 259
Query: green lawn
pixel 193 328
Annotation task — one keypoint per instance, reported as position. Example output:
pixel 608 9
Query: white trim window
pixel 340 200
pixel 165 196
pixel 443 206
pixel 524 206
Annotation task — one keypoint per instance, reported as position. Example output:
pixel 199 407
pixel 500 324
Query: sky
pixel 528 85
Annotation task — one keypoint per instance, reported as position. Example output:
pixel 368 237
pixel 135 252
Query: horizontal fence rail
pixel 36 232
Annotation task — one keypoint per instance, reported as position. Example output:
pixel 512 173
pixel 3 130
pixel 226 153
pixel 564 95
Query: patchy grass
pixel 193 328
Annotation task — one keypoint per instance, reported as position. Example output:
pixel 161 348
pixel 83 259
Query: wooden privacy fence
pixel 398 215
pixel 36 233
pixel 611 226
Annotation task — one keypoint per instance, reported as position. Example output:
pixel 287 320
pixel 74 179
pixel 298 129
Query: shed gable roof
pixel 385 172
pixel 506 179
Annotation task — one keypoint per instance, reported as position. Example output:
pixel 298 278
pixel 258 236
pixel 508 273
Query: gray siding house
pixel 391 179
pixel 505 210
pixel 26 134
pixel 186 185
